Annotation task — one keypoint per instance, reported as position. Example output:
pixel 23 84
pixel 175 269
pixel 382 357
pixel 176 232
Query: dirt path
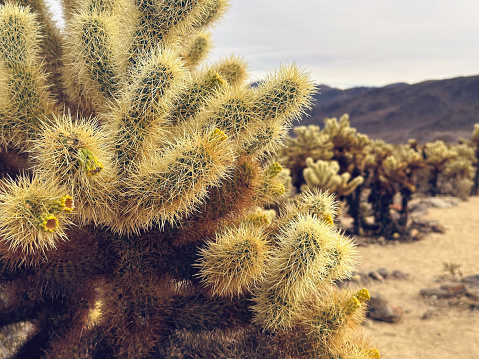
pixel 451 332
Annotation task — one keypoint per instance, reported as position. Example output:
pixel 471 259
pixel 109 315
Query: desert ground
pixel 451 329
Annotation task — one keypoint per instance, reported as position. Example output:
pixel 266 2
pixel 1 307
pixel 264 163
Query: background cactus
pixel 475 144
pixel 324 175
pixel 134 228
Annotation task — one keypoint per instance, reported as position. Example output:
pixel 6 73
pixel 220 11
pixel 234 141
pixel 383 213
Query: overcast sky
pixel 345 43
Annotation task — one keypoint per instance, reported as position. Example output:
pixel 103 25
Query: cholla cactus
pixel 324 175
pixel 138 230
pixel 437 154
pixel 391 171
pixel 458 173
pixel 309 142
pixel 475 143
pixel 349 151
pixel 348 145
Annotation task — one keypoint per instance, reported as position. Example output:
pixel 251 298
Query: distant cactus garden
pixel 374 180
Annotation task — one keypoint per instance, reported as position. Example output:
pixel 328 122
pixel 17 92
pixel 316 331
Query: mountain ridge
pixel 429 110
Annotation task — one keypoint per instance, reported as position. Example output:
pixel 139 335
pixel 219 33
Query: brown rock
pixel 379 309
pixel 455 289
pixel 414 233
pixel 383 272
pixel 376 276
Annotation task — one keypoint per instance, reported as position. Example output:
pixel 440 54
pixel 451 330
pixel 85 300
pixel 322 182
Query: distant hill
pixel 430 110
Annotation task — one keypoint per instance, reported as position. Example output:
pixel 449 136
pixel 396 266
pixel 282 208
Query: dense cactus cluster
pixel 133 181
pixel 369 174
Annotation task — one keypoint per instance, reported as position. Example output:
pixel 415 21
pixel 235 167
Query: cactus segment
pixel 32 219
pixel 233 263
pixel 197 49
pixel 173 185
pixel 233 70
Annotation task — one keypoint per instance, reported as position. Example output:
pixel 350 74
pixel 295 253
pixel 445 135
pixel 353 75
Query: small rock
pixel 455 289
pixel 379 309
pixel 414 233
pixel 440 202
pixel 396 206
pixel 422 223
pixel 382 240
pixel 419 207
pixel 399 274
pixel 376 276
pixel 428 314
pixel 383 272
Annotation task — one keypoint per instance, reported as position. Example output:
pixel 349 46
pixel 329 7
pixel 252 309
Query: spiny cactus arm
pixel 302 261
pixel 89 344
pixel 284 94
pixel 200 88
pixel 51 51
pixel 309 142
pixel 197 49
pixel 235 261
pixel 33 217
pixel 224 204
pixel 165 22
pixel 324 175
pixel 321 174
pixel 233 70
pixel 92 54
pixel 348 185
pixel 77 154
pixel 257 119
pixel 280 99
pixel 23 84
pixel 212 11
pixel 140 116
pixel 321 204
pixel 58 319
pixel 393 171
pixel 271 188
pixel 324 324
pixel 174 184
pixel 232 112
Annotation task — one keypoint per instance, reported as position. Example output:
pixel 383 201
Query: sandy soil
pixel 452 332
